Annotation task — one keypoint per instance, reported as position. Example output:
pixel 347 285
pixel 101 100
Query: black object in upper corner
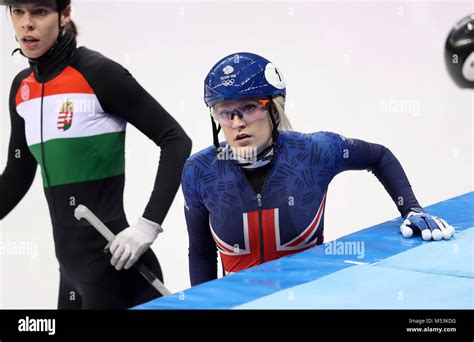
pixel 459 52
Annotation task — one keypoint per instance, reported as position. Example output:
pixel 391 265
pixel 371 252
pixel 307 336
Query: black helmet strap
pixel 271 110
pixel 215 134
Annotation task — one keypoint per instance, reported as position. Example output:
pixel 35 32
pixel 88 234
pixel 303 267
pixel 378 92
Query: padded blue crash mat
pixel 373 268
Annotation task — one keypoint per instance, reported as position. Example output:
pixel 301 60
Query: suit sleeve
pixel 202 248
pixel 121 95
pixel 354 154
pixel 16 179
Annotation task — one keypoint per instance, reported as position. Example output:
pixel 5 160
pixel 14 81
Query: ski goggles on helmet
pixel 249 111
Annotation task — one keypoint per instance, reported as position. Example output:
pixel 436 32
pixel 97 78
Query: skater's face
pixel 245 122
pixel 37 26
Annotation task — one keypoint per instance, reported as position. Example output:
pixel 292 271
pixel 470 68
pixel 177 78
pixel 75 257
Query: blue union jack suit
pixel 225 214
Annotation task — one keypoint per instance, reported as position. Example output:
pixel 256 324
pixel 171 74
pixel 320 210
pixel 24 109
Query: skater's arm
pixel 354 154
pixel 360 155
pixel 120 94
pixel 19 173
pixel 202 248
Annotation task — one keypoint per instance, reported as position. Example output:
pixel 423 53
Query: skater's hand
pixel 131 243
pixel 431 227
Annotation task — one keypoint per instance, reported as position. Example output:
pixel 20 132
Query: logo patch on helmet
pixel 228 70
pixel 228 83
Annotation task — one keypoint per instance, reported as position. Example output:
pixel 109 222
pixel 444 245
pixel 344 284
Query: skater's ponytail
pixel 71 28
pixel 284 123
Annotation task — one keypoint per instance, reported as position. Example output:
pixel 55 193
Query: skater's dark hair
pixel 70 27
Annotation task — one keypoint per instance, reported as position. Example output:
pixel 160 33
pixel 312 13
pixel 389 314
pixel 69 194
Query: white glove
pixel 129 245
pixel 431 227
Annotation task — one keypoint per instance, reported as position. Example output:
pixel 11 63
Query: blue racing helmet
pixel 242 75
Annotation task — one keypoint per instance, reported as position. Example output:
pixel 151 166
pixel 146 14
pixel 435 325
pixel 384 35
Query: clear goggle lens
pixel 249 112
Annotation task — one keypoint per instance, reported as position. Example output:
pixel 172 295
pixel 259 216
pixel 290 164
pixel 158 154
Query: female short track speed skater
pixel 69 112
pixel 261 194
